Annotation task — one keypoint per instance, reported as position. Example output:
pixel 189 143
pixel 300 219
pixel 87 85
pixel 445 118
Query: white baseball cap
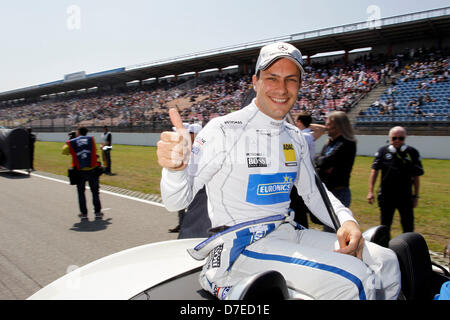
pixel 195 128
pixel 185 125
pixel 274 51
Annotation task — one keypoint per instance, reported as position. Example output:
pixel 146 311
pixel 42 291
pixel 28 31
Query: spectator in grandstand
pixel 394 80
pixel 106 147
pixel 400 167
pixel 335 162
pixel 443 78
pixel 84 161
pixel 427 98
pixel 376 103
pixel 385 74
pixel 420 100
pixel 418 112
pixel 412 103
pixel 390 106
pixel 396 64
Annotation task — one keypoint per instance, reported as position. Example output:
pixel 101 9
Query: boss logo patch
pixel 215 263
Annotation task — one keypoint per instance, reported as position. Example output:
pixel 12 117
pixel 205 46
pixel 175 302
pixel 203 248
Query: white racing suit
pixel 249 163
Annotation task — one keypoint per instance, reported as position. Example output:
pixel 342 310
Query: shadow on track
pixel 91 226
pixel 13 174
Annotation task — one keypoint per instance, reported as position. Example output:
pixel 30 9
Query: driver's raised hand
pixel 174 148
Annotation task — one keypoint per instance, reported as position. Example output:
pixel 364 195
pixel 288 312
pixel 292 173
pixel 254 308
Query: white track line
pixel 104 191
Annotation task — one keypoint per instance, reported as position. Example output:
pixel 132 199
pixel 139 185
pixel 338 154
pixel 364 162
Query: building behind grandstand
pixel 392 72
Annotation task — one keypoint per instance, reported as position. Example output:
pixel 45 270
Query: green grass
pixel 136 168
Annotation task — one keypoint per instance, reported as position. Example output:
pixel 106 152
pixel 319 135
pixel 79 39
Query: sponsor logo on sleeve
pixel 200 141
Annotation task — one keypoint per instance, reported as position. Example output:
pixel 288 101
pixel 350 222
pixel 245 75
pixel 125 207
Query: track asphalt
pixel 42 238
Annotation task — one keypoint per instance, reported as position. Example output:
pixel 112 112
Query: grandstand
pixel 420 96
pixel 436 110
pixel 395 73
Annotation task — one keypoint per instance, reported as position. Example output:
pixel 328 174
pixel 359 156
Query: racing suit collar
pixel 264 120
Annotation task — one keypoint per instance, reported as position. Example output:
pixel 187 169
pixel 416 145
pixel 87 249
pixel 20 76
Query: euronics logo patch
pixel 270 188
pixel 265 189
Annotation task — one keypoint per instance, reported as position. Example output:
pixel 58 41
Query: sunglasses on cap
pixel 398 138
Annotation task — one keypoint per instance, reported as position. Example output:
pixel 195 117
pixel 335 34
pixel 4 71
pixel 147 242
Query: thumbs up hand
pixel 174 148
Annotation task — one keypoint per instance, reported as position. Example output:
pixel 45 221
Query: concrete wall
pixel 435 147
pixel 136 139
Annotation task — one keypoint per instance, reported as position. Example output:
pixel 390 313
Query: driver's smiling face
pixel 277 88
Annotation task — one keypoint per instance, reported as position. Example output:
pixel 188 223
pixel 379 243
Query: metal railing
pixel 94 125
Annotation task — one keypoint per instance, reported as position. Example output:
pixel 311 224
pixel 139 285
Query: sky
pixel 43 40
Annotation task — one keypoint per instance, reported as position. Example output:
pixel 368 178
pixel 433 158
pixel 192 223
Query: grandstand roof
pixel 409 27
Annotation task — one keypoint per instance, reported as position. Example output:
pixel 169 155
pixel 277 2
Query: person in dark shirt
pixel 312 132
pixel 32 140
pixel 400 167
pixel 335 162
pixel 106 146
pixel 84 159
pixel 193 222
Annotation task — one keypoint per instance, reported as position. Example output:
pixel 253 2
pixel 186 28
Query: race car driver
pixel 249 160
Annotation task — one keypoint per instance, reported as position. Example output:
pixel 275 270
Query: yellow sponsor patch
pixel 289 153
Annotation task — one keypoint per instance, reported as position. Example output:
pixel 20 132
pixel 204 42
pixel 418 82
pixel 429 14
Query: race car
pixel 165 271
